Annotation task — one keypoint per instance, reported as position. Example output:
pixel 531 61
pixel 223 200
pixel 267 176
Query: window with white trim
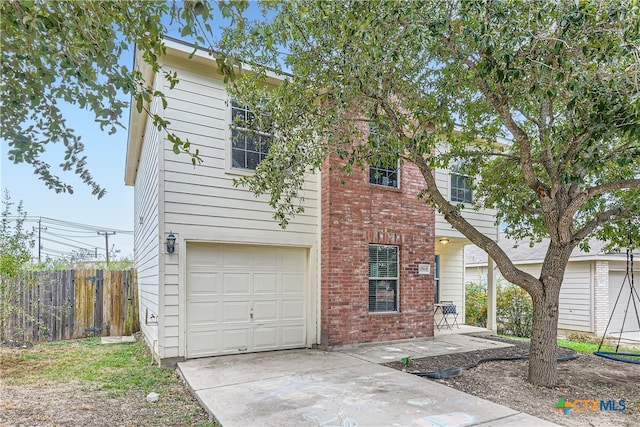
pixel 383 278
pixel 461 188
pixel 249 145
pixel 383 173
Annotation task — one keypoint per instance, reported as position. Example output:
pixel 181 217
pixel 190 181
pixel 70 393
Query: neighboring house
pixel 365 262
pixel 591 286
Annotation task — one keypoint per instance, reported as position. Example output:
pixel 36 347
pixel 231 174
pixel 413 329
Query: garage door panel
pixel 235 339
pixel 292 336
pixel 235 312
pixel 202 256
pixel 267 259
pixel 236 284
pixel 265 338
pixel 203 283
pixel 265 283
pixel 294 260
pixel 292 283
pixel 203 343
pixel 236 257
pixel 204 313
pixel 228 283
pixel 292 309
pixel 265 310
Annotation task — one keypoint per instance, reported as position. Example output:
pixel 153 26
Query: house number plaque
pixel 424 268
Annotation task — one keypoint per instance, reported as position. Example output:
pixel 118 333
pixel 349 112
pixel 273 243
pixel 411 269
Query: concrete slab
pixel 246 368
pixel 117 340
pixel 446 344
pixel 312 387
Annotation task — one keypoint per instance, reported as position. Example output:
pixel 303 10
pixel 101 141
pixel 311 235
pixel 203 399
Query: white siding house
pixel 221 231
pixel 450 243
pixel 591 285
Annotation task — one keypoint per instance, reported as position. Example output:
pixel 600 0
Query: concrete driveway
pixel 318 388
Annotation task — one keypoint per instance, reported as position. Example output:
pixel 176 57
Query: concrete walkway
pixel 340 388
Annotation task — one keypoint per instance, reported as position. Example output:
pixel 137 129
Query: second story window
pixel 461 188
pixel 249 144
pixel 383 173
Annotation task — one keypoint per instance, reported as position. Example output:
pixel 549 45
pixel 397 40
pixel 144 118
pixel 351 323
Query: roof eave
pixel 137 124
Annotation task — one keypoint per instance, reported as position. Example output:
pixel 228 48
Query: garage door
pixel 616 279
pixel 244 299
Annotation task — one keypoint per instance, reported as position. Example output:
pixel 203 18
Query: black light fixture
pixel 171 243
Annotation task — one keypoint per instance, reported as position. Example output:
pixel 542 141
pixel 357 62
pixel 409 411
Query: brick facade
pixel 354 215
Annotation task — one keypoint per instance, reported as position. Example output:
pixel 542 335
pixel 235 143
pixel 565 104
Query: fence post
pixel 97 306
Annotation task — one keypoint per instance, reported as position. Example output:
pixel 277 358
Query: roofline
pixel 587 257
pixel 137 123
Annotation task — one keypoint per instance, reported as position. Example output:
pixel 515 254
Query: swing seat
pixel 620 357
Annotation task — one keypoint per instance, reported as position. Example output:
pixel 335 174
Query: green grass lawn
pixel 124 370
pixel 117 367
pixel 581 346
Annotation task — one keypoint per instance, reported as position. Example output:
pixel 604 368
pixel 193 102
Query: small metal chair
pixel 449 310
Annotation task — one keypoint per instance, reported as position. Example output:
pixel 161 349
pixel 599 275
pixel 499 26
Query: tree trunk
pixel 542 353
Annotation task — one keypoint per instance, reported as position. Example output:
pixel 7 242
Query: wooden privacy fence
pixel 67 304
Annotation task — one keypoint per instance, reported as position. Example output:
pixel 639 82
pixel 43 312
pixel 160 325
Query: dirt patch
pixel 588 377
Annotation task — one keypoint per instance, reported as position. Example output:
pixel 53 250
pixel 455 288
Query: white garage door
pixel 244 299
pixel 616 279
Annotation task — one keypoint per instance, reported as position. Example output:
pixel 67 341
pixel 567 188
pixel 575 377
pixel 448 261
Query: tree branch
pixel 452 215
pixel 581 198
pixel 602 218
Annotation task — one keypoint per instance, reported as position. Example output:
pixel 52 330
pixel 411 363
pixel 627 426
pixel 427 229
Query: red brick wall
pixel 354 215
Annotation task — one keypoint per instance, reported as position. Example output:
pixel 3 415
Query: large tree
pixel 70 52
pixel 539 100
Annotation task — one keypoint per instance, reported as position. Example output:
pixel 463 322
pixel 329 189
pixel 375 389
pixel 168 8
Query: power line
pixel 74 241
pixel 78 234
pixel 77 225
pixel 67 244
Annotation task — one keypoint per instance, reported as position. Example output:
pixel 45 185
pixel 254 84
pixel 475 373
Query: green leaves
pixel 560 80
pixel 70 52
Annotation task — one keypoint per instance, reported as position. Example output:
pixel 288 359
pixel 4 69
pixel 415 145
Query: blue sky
pixel 106 159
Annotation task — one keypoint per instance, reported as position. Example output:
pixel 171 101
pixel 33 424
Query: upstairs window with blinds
pixel 249 143
pixel 461 185
pixel 383 278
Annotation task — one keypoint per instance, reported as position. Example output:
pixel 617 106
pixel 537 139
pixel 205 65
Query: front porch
pixel 462 330
pixel 449 288
pixel 456 340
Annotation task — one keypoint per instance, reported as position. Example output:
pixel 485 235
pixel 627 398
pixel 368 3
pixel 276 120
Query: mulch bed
pixel 460 361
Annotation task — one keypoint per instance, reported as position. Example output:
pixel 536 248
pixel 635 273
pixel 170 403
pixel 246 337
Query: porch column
pixel 491 296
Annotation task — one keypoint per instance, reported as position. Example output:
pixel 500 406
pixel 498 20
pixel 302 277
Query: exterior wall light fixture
pixel 171 243
pixel 444 241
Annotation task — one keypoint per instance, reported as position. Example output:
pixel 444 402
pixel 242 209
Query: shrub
pixel 475 308
pixel 514 308
pixel 514 311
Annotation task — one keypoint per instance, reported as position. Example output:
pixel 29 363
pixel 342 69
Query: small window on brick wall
pixel 386 172
pixel 383 278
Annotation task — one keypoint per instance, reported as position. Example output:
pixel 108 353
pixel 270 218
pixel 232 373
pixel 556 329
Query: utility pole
pixel 106 235
pixel 40 227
